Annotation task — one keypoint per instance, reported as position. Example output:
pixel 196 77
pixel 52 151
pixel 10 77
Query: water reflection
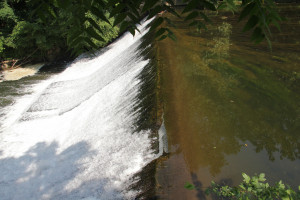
pixel 227 101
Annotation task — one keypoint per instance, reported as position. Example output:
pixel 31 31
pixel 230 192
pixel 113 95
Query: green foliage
pixel 254 188
pixel 189 186
pixel 6 13
pixel 103 29
pixel 87 25
pixel 260 14
pixel 1 44
pixel 50 32
pixel 22 35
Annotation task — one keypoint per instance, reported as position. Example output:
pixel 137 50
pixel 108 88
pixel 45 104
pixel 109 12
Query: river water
pixel 229 106
pixel 90 132
pixel 81 133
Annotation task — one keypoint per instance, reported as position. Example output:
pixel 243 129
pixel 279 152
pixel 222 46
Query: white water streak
pixel 73 137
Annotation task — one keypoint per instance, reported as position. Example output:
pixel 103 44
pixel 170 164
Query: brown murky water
pixel 230 106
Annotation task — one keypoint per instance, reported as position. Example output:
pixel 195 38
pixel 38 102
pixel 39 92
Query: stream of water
pixel 73 135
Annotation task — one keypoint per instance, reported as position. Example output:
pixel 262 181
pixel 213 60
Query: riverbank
pixel 20 72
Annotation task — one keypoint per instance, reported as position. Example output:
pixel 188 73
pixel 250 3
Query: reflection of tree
pixel 216 106
pixel 43 173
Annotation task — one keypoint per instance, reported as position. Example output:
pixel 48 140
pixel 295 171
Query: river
pixel 88 129
pixel 229 106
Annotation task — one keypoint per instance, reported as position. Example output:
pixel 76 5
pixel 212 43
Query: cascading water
pixel 74 136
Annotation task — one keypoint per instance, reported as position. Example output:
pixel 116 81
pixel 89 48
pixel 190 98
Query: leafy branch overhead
pixel 83 29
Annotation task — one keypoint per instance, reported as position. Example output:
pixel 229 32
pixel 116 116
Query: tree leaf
pixel 172 11
pixel 160 32
pixel 257 35
pixel 131 30
pixel 209 5
pixel 63 4
pixel 261 177
pixel 194 23
pixel 246 178
pixel 170 23
pixel 247 10
pixel 231 5
pixel 171 35
pixel 99 14
pixel 192 15
pixel 87 4
pixel 251 23
pixel 149 4
pixel 132 17
pixel 91 43
pixel 275 22
pixel 92 33
pixel 162 37
pixel 111 3
pixel 157 9
pixel 119 18
pixel 117 10
pixel 134 10
pixel 190 6
pixel 77 41
pixel 123 26
pixel 189 186
pixel 201 25
pixel 156 23
pixel 268 40
pixel 101 3
pixel 221 6
pixel 94 24
pixel 204 17
pixel 50 10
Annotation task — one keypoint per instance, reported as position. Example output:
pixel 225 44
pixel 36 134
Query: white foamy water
pixel 73 137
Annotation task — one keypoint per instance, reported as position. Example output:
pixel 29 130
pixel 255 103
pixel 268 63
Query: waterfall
pixel 73 137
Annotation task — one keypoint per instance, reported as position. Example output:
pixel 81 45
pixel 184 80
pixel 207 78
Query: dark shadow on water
pixel 62 64
pixel 43 173
pixel 201 190
pixel 55 67
pixel 199 186
pixel 146 106
pixel 146 97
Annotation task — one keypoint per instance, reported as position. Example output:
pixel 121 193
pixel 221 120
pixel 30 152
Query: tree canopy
pixel 81 25
pixel 260 15
pixel 29 37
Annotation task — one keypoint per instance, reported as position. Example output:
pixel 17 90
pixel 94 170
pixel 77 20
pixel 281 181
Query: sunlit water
pixel 73 135
pixel 230 106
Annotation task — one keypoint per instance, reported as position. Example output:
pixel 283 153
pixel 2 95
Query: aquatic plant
pixel 253 187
